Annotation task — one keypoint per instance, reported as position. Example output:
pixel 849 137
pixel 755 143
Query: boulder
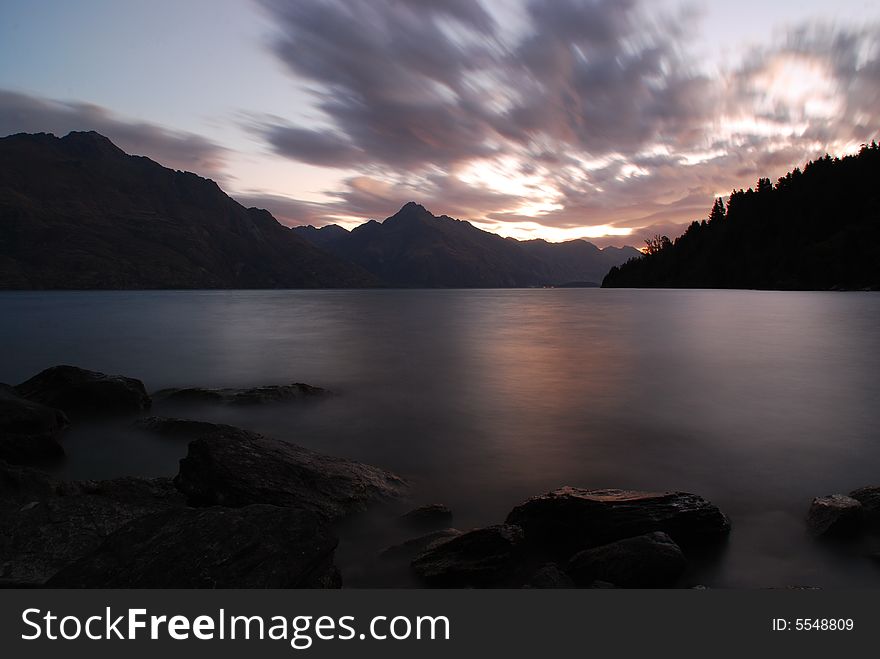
pixel 569 519
pixel 835 515
pixel 247 396
pixel 29 431
pixel 232 467
pixel 78 392
pixel 645 561
pixel 256 546
pixel 186 429
pixel 869 497
pixel 550 576
pixel 414 546
pixel 48 525
pixel 480 558
pixel 432 516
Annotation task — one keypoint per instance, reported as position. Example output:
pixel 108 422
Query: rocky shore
pixel 249 511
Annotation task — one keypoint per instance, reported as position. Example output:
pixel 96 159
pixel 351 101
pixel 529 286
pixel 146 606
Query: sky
pixel 611 120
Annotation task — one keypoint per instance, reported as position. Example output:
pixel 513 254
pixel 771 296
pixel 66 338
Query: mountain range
pixel 77 212
pixel 414 248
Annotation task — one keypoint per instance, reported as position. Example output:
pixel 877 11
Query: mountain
pixel 415 249
pixel 78 213
pixel 815 229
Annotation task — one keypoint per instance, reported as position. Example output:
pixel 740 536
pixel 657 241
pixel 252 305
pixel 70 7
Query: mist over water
pixel 757 400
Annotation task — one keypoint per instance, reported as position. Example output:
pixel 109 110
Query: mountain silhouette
pixel 416 249
pixel 816 229
pixel 78 213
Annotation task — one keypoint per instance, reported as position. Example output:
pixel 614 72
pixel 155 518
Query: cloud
pixel 608 118
pixel 22 113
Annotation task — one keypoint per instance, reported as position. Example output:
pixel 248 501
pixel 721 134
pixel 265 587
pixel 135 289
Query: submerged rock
pixel 48 525
pixel 246 396
pixel 256 546
pixel 550 576
pixel 435 515
pixel 79 392
pixel 869 497
pixel 232 467
pixel 835 515
pixel 187 429
pixel 479 558
pixel 29 431
pixel 570 519
pixel 415 546
pixel 645 561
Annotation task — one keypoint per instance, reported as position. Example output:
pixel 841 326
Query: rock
pixel 187 429
pixel 19 483
pixel 645 561
pixel 250 396
pixel 479 558
pixel 835 515
pixel 435 515
pixel 78 392
pixel 48 525
pixel 256 546
pixel 232 467
pixel 550 576
pixel 869 497
pixel 415 546
pixel 570 519
pixel 29 431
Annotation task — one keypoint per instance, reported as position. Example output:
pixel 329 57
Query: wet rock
pixel 415 546
pixel 869 497
pixel 247 396
pixel 48 525
pixel 29 431
pixel 645 561
pixel 435 515
pixel 480 558
pixel 569 519
pixel 78 392
pixel 256 546
pixel 232 467
pixel 550 576
pixel 835 515
pixel 187 429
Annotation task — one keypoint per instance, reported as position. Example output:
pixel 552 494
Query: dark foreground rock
pixel 570 519
pixel 48 525
pixel 646 561
pixel 479 558
pixel 186 429
pixel 432 516
pixel 79 392
pixel 248 396
pixel 232 467
pixel 550 576
pixel 29 431
pixel 835 515
pixel 869 497
pixel 415 546
pixel 251 547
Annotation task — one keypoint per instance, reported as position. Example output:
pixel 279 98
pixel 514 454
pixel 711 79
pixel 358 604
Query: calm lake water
pixel 757 400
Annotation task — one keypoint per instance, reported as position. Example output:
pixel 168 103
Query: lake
pixel 758 401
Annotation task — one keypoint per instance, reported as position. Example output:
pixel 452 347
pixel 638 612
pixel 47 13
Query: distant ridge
pixel 816 229
pixel 416 249
pixel 78 213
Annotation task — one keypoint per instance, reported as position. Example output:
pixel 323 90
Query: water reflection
pixel 758 400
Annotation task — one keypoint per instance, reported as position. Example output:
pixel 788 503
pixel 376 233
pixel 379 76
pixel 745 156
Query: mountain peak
pixel 411 211
pixel 90 143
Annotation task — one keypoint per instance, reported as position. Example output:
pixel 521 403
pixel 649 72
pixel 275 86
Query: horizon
pixel 578 119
